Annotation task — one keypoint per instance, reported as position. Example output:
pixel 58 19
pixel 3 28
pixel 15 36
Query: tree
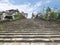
pixel 48 10
pixel 59 15
pixel 33 16
pixel 52 16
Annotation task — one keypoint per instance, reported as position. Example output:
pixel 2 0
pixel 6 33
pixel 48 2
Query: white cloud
pixel 48 1
pixel 28 8
pixel 4 1
pixel 38 4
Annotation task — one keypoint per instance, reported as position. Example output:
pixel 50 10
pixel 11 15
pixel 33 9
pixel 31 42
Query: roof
pixel 10 12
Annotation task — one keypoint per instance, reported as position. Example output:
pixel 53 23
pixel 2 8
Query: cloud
pixel 26 7
pixel 4 1
pixel 38 4
pixel 48 1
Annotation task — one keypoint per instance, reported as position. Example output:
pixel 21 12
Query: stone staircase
pixel 30 30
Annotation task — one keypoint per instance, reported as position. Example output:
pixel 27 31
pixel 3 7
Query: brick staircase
pixel 30 30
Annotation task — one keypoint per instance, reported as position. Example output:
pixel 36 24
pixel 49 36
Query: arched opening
pixel 8 17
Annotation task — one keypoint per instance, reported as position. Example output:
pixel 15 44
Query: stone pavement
pixel 29 30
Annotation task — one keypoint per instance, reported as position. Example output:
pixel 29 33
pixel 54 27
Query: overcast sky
pixel 28 6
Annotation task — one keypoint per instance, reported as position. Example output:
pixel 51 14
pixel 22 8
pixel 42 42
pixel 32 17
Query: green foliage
pixel 48 9
pixel 59 15
pixel 52 15
pixel 46 15
pixel 17 16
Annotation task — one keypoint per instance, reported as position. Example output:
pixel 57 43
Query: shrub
pixel 19 16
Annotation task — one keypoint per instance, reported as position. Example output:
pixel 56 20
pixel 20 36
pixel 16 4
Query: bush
pixel 19 16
